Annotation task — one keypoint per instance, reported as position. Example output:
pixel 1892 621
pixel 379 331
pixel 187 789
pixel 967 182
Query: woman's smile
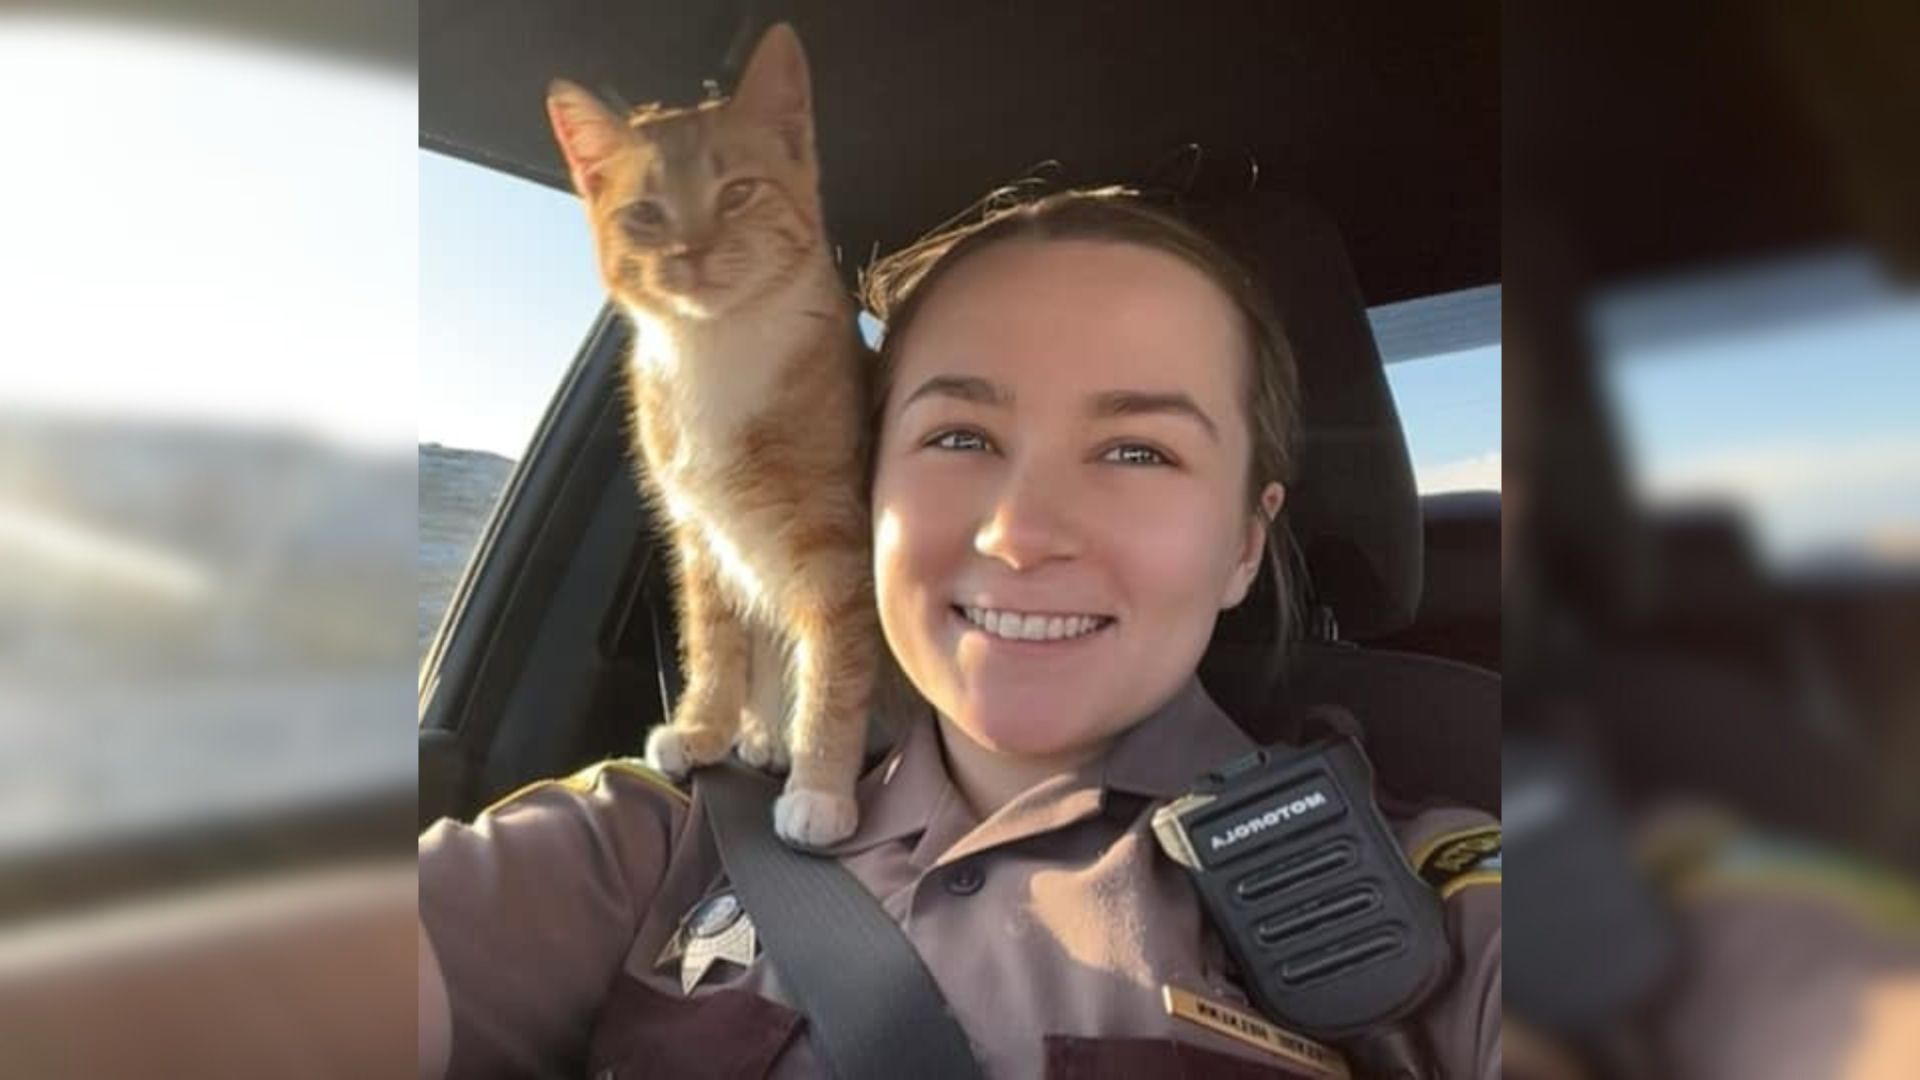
pixel 1005 627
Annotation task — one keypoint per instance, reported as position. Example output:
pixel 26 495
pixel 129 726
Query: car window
pixel 507 290
pixel 1785 391
pixel 1443 365
pixel 205 427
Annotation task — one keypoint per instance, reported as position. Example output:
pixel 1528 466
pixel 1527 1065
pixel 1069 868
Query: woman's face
pixel 1060 495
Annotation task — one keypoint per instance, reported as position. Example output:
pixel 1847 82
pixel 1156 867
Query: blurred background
pixel 207 537
pixel 1712 557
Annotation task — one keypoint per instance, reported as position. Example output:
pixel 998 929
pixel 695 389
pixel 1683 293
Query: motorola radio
pixel 1333 931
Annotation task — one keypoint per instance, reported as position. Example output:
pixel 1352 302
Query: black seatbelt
pixel 874 1010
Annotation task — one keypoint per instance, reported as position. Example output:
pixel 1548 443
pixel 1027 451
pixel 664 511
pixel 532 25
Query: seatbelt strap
pixel 874 1011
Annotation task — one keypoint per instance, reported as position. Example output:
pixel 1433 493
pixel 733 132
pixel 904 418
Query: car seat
pixel 1431 726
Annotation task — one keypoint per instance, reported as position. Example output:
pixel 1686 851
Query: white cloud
pixel 1806 498
pixel 1768 473
pixel 1480 473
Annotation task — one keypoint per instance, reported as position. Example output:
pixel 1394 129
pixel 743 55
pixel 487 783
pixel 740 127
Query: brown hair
pixel 895 288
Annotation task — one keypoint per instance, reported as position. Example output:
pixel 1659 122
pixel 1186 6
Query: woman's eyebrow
pixel 964 387
pixel 1110 403
pixel 1139 402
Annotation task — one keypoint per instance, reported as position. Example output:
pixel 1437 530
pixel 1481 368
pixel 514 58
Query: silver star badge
pixel 716 929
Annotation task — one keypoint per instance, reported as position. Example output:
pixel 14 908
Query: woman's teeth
pixel 1017 626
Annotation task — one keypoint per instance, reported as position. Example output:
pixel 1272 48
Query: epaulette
pixel 1459 859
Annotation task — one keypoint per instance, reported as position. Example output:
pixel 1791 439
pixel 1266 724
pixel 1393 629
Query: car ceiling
pixel 1386 115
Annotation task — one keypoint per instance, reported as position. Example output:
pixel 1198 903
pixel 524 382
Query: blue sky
pixel 1827 381
pixel 1813 427
pixel 1450 409
pixel 507 292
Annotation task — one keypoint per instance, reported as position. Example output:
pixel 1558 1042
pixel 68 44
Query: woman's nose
pixel 1030 523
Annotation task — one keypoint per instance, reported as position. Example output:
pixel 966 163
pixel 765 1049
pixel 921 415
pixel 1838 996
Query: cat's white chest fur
pixel 720 375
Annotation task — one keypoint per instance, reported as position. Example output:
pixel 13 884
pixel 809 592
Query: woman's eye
pixel 1137 454
pixel 736 193
pixel 646 215
pixel 958 440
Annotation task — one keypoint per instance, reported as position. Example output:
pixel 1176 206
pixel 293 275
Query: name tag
pixel 1314 1058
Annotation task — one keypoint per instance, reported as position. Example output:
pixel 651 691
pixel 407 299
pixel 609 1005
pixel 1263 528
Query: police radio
pixel 1333 931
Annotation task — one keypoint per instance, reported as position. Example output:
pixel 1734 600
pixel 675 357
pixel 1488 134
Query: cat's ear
pixel 589 133
pixel 775 90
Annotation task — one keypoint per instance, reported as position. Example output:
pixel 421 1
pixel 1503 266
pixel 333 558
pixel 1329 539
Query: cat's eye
pixel 1136 454
pixel 736 193
pixel 645 214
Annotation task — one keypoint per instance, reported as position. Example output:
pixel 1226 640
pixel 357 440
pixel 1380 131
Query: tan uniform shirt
pixel 1051 928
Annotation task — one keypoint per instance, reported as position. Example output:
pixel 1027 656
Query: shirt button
pixel 965 880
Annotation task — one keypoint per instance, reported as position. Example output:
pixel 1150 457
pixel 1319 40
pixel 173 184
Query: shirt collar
pixel 1162 755
pixel 898 796
pixel 1159 758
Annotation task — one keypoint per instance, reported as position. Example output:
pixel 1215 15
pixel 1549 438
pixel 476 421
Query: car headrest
pixel 1354 510
pixel 1706 564
pixel 1460 531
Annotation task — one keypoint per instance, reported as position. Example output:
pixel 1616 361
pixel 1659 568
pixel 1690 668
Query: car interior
pixel 1353 155
pixel 559 648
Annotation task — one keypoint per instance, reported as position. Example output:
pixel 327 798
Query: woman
pixel 1084 415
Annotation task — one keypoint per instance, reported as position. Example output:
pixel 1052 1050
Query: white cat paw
pixel 666 751
pixel 814 819
pixel 676 752
pixel 764 751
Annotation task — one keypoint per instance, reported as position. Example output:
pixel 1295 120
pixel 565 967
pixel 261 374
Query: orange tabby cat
pixel 748 412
